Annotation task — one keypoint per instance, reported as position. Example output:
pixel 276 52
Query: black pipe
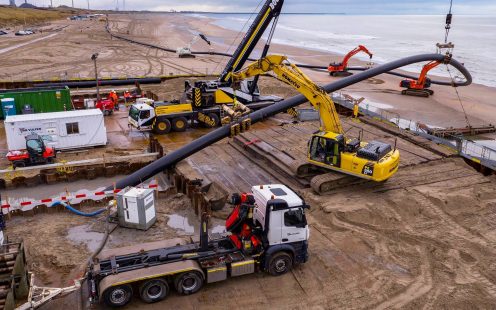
pixel 92 83
pixel 197 145
pixel 408 76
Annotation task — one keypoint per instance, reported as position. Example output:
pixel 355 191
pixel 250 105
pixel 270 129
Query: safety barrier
pixel 28 205
pixel 468 149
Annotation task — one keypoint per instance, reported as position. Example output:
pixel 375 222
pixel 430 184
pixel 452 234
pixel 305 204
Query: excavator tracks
pixel 326 182
pixel 418 92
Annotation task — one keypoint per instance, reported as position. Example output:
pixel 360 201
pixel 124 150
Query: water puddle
pixel 82 235
pixel 180 223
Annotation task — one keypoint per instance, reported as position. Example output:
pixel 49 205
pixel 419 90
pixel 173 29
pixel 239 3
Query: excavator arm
pixel 423 74
pixel 293 76
pixel 352 53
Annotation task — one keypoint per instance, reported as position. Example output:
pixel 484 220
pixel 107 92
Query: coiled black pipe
pixel 174 157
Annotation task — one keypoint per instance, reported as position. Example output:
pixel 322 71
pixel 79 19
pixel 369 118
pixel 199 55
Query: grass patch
pixel 10 16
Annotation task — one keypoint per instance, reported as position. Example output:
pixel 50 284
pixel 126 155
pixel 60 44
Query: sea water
pixel 388 37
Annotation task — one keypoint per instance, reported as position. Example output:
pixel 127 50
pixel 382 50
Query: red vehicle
pixel 421 86
pixel 36 153
pixel 106 105
pixel 341 69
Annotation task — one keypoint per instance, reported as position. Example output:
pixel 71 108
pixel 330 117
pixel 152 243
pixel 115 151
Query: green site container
pixel 41 100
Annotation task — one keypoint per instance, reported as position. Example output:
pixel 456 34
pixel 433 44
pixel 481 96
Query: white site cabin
pixel 61 130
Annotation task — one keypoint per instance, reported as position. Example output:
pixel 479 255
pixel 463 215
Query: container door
pixel 131 210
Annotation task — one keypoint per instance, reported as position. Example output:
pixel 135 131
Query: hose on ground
pixel 75 211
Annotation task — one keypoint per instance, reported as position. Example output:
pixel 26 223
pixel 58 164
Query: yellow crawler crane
pixel 329 148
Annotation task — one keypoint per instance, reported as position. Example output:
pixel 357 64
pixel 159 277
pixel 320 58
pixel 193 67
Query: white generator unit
pixel 60 130
pixel 136 208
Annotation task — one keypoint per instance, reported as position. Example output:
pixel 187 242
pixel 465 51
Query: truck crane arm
pixel 293 76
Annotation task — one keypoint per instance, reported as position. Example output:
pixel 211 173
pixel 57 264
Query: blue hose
pixel 68 207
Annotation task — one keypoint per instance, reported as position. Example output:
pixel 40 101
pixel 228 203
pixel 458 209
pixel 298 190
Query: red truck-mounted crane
pixel 36 153
pixel 420 87
pixel 341 69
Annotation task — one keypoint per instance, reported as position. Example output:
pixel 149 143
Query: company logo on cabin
pixel 30 130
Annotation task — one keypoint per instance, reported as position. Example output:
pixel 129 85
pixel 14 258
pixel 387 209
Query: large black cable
pixel 403 75
pixel 174 157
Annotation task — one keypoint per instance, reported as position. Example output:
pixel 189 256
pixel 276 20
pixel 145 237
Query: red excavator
pixel 341 69
pixel 36 153
pixel 421 86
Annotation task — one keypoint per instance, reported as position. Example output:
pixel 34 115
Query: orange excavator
pixel 420 87
pixel 341 69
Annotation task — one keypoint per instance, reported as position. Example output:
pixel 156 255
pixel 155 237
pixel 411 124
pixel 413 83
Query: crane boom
pixel 270 10
pixel 293 76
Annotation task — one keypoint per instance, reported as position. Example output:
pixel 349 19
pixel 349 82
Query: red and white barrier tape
pixel 99 195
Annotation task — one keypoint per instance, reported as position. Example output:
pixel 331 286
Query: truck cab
pixel 141 116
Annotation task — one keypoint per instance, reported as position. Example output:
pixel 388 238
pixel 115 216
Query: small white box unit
pixel 136 208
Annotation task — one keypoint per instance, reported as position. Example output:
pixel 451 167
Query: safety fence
pixel 471 150
pixel 11 205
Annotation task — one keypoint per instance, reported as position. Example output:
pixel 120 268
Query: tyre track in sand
pixel 419 287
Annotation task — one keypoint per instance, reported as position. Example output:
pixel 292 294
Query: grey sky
pixel 325 6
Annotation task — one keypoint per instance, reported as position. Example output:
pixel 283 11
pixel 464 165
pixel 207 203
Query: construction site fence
pixel 469 149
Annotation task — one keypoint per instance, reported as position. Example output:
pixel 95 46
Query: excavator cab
pixel 327 149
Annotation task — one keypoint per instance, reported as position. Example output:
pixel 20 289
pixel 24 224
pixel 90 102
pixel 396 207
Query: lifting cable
pixel 447 27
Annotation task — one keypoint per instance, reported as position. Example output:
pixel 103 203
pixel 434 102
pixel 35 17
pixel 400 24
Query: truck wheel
pixel 105 112
pixel 154 290
pixel 179 124
pixel 188 282
pixel 280 263
pixel 118 296
pixel 50 160
pixel 216 120
pixel 163 126
pixel 18 164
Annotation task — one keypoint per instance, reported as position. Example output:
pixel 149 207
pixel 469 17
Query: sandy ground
pixel 423 245
pixel 68 55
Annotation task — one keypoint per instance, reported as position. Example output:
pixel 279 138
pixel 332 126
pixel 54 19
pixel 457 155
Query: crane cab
pixel 376 161
pixel 141 116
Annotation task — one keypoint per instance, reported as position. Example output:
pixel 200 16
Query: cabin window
pixel 72 128
pixel 295 218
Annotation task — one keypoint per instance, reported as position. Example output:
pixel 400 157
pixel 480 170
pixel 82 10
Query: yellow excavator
pixel 328 148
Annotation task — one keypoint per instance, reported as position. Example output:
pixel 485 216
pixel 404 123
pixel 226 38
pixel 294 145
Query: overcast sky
pixel 486 7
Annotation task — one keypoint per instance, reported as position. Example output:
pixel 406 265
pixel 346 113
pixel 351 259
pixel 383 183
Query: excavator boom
pixel 293 76
pixel 341 68
pixel 357 50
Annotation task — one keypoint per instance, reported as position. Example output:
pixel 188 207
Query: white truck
pixel 266 231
